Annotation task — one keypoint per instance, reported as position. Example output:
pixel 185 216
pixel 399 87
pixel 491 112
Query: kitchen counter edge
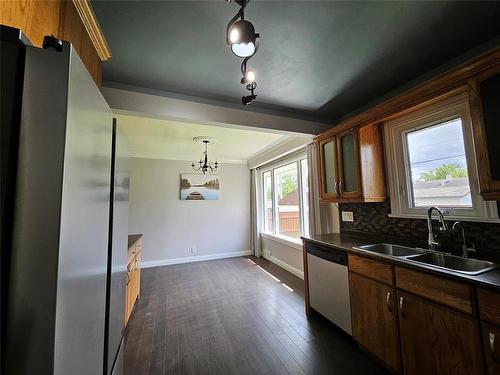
pixel 490 280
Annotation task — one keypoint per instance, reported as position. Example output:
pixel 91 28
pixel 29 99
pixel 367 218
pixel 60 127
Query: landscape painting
pixel 198 187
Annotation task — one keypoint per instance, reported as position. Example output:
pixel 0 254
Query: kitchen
pixel 360 235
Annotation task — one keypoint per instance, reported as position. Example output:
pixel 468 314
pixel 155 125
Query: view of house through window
pixel 285 193
pixel 438 166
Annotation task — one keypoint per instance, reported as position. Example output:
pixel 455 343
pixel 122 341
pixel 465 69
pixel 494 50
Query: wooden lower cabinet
pixel 437 340
pixel 374 319
pixel 133 287
pixel 491 345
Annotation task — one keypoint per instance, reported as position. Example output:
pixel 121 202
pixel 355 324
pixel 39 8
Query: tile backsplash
pixel 373 219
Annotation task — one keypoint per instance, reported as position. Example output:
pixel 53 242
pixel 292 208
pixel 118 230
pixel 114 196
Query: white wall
pixel 284 255
pixel 171 226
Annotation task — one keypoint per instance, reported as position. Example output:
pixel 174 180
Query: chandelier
pixel 203 164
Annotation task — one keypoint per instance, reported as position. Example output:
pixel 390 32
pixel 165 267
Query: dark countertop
pixel 490 280
pixel 133 238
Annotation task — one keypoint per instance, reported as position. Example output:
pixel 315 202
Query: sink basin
pixel 390 249
pixel 454 263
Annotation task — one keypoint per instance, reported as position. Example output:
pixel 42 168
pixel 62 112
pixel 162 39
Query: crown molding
pixel 89 19
pixel 283 147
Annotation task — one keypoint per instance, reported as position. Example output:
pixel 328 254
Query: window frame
pixel 296 158
pixel 397 160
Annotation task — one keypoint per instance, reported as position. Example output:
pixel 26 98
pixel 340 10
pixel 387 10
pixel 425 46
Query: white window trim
pixel 294 158
pixel 396 160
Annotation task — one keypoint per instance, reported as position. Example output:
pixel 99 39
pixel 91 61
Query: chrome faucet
pixel 433 242
pixel 465 249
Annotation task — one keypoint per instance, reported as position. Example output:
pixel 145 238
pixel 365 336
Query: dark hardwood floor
pixel 233 316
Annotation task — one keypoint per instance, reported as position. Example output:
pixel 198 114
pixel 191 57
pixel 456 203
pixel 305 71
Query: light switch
pixel 347 216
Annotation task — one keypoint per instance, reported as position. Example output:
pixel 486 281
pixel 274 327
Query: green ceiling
pixel 321 59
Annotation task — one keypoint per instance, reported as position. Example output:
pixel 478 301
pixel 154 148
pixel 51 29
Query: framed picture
pixel 199 187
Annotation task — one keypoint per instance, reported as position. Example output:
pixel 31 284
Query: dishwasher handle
pixel 329 254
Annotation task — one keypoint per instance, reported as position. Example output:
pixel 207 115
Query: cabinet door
pixel 484 93
pixel 437 340
pixel 128 293
pixel 374 320
pixel 328 168
pixel 491 345
pixel 349 171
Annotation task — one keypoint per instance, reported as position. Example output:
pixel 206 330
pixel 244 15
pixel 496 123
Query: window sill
pixel 456 218
pixel 288 241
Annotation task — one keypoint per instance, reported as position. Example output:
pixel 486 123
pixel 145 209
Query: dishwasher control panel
pixel 327 253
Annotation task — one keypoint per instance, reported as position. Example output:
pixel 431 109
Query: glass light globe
pixel 243 49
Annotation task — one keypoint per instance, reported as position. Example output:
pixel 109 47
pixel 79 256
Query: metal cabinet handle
pixel 337 188
pixel 388 301
pixel 340 187
pixel 493 342
pixel 402 306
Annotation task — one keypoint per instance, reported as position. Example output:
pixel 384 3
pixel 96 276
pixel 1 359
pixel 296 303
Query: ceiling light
pixel 248 99
pixel 250 76
pixel 244 42
pixel 234 35
pixel 243 38
pixel 204 164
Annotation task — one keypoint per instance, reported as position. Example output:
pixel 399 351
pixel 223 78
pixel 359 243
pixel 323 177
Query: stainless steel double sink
pixel 435 259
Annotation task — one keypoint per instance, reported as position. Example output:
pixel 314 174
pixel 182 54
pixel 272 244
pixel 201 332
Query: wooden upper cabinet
pixel 349 168
pixel 328 168
pixel 68 20
pixel 484 97
pixel 352 165
pixel 437 340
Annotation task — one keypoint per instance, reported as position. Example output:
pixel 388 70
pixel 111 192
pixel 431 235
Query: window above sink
pixel 431 162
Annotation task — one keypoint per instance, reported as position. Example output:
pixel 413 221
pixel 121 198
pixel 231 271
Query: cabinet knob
pixel 493 341
pixel 388 300
pixel 402 306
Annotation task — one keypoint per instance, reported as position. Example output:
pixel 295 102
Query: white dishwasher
pixel 329 284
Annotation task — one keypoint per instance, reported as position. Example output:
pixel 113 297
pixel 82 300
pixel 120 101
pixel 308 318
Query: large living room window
pixel 285 196
pixel 431 162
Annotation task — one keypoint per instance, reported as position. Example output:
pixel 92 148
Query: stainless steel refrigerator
pixel 64 215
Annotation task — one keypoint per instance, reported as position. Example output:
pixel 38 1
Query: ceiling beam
pixel 161 107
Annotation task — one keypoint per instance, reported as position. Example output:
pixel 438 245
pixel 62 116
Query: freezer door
pixel 34 259
pixel 118 248
pixel 83 249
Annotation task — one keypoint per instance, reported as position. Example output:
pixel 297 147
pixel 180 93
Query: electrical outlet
pixel 347 216
pixel 193 250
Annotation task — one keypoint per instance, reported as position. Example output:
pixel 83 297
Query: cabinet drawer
pixel 491 345
pixel 489 305
pixel 446 292
pixel 373 269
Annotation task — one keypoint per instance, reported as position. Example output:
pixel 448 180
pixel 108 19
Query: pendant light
pixel 240 33
pixel 244 42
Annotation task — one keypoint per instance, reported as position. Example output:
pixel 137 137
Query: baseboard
pixel 267 254
pixel 198 258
